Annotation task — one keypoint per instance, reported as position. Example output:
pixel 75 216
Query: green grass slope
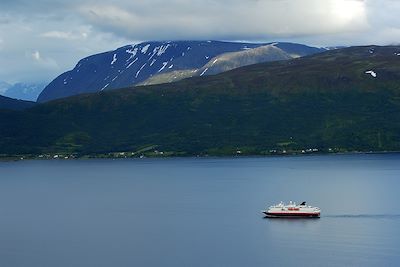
pixel 326 102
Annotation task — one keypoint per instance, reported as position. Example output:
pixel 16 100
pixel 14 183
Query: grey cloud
pixel 64 31
pixel 223 19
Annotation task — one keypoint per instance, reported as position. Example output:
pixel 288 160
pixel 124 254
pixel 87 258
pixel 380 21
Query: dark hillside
pixel 342 100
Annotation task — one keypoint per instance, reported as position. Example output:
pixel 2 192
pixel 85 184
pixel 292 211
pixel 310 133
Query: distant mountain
pixel 340 100
pixel 14 104
pixel 24 91
pixel 159 62
pixel 3 87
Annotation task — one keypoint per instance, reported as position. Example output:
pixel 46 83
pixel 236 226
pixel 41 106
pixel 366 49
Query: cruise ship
pixel 292 210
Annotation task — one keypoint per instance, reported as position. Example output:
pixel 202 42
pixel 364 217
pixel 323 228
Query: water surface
pixel 199 212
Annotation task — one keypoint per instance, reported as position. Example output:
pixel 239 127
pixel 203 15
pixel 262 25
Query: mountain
pixel 225 62
pixel 339 100
pixel 14 104
pixel 24 91
pixel 159 62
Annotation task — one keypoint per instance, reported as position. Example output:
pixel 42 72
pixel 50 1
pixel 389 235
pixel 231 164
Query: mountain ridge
pixel 14 104
pixel 136 64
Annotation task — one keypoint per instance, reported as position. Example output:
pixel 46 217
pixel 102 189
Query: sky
pixel 43 38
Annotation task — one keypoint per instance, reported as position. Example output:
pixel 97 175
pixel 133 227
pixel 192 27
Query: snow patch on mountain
pixel 373 73
pixel 163 67
pixel 132 51
pixel 204 72
pixel 137 73
pixel 105 86
pixel 163 49
pixel 133 62
pixel 114 59
pixel 155 51
pixel 145 48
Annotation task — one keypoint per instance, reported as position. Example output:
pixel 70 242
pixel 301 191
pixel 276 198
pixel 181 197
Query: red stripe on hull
pixel 292 214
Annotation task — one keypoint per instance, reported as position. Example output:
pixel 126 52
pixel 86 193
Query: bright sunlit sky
pixel 43 38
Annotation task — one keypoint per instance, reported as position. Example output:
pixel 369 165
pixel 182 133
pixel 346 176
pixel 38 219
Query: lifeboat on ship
pixel 292 210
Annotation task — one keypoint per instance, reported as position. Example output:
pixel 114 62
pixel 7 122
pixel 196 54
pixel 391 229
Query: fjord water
pixel 200 212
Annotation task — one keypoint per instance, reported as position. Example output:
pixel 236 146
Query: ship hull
pixel 291 215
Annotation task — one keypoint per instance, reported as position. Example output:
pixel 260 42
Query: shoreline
pixel 14 158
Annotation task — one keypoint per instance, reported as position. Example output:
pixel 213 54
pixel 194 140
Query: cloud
pixel 220 19
pixel 37 47
pixel 62 32
pixel 64 35
pixel 36 55
pixel 42 62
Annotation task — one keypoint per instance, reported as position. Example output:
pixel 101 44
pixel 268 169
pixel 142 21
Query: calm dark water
pixel 200 212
